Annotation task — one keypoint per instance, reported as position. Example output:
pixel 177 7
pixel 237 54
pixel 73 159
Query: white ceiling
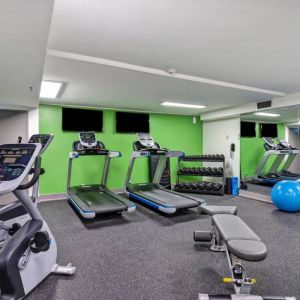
pixel 91 85
pixel 248 42
pixel 24 29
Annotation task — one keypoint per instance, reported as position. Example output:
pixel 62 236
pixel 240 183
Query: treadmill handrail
pixel 108 155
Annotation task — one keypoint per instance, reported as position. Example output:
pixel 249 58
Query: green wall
pixel 252 151
pixel 171 131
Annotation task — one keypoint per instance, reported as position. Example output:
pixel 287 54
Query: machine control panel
pixel 88 139
pixel 88 145
pixel 13 161
pixel 16 161
pixel 43 139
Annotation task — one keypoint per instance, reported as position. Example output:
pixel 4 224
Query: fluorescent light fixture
pixel 272 115
pixel 50 89
pixel 186 105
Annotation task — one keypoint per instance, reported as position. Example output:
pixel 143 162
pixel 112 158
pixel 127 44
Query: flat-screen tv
pixel 268 130
pixel 248 129
pixel 75 119
pixel 132 122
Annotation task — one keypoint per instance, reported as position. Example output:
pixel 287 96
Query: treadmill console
pixel 146 143
pixel 146 140
pixel 284 144
pixel 43 139
pixel 269 143
pixel 15 163
pixel 88 145
pixel 87 139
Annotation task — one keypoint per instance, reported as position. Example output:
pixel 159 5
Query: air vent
pixel 264 104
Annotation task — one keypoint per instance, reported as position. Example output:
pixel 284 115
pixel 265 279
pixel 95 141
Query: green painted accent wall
pixel 171 131
pixel 252 151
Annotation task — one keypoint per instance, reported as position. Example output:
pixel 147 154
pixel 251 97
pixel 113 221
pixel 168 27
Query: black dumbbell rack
pixel 191 185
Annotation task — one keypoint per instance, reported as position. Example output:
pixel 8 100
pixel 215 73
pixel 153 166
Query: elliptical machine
pixel 28 255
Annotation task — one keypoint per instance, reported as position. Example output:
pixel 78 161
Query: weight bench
pixel 232 235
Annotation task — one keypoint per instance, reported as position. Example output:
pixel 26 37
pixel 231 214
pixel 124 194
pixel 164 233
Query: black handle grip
pixel 36 174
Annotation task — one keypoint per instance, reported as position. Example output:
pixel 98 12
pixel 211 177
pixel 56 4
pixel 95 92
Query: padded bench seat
pixel 240 239
pixel 212 210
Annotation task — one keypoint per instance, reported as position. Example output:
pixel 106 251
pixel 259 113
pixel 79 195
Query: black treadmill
pixel 153 194
pixel 94 199
pixel 277 171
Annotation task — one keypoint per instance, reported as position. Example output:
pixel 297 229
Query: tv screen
pixel 75 119
pixel 248 129
pixel 268 130
pixel 132 122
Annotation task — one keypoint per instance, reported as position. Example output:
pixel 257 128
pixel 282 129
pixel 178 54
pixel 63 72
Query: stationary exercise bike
pixel 29 254
pixel 14 215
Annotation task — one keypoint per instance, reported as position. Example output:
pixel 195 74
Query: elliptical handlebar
pixel 37 171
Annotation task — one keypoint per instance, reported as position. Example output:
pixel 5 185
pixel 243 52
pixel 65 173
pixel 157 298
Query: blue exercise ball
pixel 286 195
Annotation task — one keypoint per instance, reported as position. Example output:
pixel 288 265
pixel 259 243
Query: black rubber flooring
pixel 147 255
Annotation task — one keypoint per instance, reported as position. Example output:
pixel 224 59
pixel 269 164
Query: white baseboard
pixel 256 196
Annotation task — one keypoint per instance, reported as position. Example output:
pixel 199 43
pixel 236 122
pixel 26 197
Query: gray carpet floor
pixel 147 255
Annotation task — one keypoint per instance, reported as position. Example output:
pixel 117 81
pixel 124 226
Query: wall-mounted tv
pixel 268 130
pixel 248 129
pixel 132 122
pixel 75 119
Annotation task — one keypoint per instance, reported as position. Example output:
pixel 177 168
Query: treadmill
pixel 153 194
pixel 284 154
pixel 94 199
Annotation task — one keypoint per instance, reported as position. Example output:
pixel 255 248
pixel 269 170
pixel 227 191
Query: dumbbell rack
pixel 206 159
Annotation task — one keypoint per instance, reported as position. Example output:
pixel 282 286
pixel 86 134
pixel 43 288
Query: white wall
pixel 12 125
pixel 33 122
pixel 293 139
pixel 218 135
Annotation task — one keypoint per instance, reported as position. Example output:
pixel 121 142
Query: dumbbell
pixel 208 171
pixel 187 186
pixel 214 171
pixel 222 156
pixel 219 171
pixel 201 186
pixel 194 186
pixel 209 186
pixel 202 171
pixel 213 157
pixel 179 186
pixel 219 186
pixel 215 187
pixel 198 171
pixel 193 170
pixel 190 170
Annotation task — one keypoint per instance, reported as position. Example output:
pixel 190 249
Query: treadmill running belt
pixel 169 198
pixel 100 201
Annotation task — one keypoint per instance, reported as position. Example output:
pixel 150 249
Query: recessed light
pixel 267 114
pixel 186 105
pixel 50 89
